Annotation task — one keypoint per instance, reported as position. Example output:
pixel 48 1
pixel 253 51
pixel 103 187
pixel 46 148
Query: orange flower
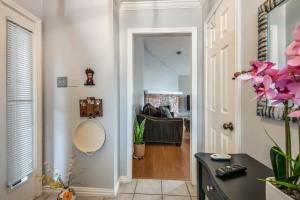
pixel 67 196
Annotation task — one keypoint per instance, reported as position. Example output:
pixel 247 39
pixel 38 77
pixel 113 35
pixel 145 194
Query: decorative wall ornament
pixel 90 77
pixel 91 107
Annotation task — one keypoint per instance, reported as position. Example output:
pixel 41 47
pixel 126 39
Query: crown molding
pixel 164 4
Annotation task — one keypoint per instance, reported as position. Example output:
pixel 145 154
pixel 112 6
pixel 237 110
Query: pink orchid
pixel 295 114
pixel 289 72
pixel 267 90
pixel 296 33
pixel 293 50
pixel 294 88
pixel 257 71
pixel 293 54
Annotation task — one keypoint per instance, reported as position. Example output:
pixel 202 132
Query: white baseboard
pixel 86 191
pixel 124 179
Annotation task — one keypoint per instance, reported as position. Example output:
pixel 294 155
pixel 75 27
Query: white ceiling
pixel 148 0
pixel 165 49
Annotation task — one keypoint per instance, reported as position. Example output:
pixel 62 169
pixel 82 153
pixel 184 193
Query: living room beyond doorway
pixel 162 89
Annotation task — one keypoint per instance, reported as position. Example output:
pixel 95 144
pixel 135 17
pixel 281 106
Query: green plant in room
pixel 139 132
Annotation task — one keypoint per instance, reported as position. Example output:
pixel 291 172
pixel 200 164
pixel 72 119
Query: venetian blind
pixel 20 151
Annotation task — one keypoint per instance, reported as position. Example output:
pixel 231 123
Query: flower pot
pixel 139 151
pixel 66 194
pixel 273 193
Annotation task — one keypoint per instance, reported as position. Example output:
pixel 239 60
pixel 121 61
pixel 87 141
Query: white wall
pixel 254 140
pixel 158 76
pixel 34 6
pixel 80 34
pixel 184 84
pixel 138 74
pixel 154 18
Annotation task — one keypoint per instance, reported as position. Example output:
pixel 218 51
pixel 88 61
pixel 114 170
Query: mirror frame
pixel 263 109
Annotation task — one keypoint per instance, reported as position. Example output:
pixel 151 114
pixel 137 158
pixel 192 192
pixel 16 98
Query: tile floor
pixel 144 189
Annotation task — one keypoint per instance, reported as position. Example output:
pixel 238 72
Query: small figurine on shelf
pixel 89 74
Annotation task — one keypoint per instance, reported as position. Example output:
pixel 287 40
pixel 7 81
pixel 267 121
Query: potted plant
pixel 139 144
pixel 55 182
pixel 281 86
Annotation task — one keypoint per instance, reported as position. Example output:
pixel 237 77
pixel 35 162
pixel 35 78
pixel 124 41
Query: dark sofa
pixel 162 129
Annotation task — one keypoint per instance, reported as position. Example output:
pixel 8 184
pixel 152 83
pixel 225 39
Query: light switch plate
pixel 62 82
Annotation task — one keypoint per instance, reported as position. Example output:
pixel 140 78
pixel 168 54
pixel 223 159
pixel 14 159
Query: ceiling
pixel 147 0
pixel 165 48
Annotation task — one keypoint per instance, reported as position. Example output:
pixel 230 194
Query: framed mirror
pixel 276 22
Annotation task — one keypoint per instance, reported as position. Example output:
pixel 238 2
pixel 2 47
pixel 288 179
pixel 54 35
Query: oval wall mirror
pixel 89 136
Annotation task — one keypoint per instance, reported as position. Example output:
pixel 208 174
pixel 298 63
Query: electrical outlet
pixel 62 82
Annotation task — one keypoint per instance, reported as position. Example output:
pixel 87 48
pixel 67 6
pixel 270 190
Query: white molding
pixel 238 84
pixel 164 4
pixel 238 90
pixel 163 92
pixel 86 191
pixel 124 179
pixel 140 31
pixel 213 11
pixel 20 10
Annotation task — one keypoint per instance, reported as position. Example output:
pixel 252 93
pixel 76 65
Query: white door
pixel 20 103
pixel 220 88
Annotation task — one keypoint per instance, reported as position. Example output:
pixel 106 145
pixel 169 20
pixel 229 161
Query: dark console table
pixel 245 187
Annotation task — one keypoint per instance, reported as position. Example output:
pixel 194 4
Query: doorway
pixel 131 112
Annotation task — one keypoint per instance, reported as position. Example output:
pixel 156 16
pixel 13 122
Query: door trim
pixel 238 91
pixel 141 31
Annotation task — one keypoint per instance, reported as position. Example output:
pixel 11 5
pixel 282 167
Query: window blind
pixel 19 96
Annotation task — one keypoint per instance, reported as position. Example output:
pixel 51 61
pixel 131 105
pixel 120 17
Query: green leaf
pixel 281 167
pixel 293 179
pixel 287 185
pixel 278 163
pixel 139 132
pixel 297 165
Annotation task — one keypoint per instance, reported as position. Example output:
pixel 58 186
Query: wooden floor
pixel 163 161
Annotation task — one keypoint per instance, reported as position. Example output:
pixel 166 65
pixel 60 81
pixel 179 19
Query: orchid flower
pixel 267 90
pixel 293 50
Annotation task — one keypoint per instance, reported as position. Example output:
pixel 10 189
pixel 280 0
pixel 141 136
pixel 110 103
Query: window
pixel 19 94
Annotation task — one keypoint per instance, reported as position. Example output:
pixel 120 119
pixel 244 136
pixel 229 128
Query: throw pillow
pixel 165 111
pixel 151 110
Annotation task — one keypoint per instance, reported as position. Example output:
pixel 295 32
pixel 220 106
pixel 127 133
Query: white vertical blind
pixel 20 132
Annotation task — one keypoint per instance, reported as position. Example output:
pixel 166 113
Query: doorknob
pixel 228 126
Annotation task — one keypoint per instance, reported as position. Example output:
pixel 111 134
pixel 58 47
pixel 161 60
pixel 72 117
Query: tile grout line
pixel 187 187
pixel 134 192
pixel 161 188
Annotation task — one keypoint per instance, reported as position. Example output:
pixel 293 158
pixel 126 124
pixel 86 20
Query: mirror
pixel 281 24
pixel 276 22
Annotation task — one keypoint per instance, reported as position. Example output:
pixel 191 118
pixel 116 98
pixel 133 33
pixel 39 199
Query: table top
pixel 245 187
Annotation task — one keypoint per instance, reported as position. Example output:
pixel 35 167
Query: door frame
pixel 238 61
pixel 193 31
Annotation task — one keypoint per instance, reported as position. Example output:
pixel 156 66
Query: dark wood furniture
pixel 162 130
pixel 245 187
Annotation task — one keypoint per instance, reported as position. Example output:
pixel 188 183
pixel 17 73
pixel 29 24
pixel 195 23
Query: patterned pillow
pixel 151 110
pixel 165 111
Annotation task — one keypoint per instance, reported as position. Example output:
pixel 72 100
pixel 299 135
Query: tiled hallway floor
pixel 143 189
